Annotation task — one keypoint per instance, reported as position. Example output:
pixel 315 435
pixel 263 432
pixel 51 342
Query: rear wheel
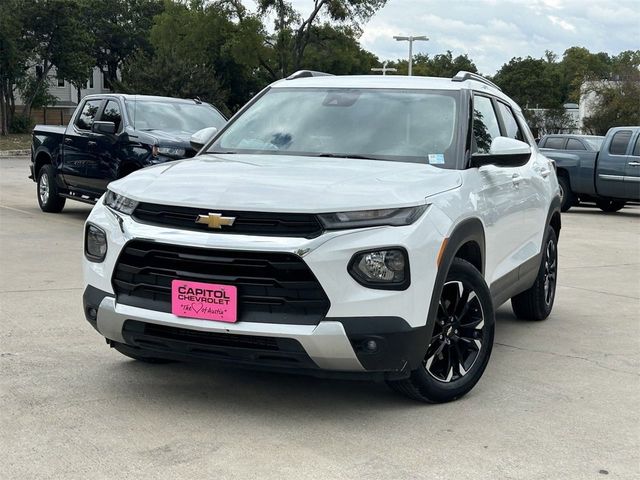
pixel 536 303
pixel 461 341
pixel 608 205
pixel 567 197
pixel 48 195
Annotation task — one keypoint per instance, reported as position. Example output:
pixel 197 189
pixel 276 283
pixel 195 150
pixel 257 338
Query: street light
pixel 384 68
pixel 410 39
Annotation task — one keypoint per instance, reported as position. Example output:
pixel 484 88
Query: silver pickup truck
pixel 604 170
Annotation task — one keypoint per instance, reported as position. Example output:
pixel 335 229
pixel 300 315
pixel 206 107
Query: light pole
pixel 384 68
pixel 410 39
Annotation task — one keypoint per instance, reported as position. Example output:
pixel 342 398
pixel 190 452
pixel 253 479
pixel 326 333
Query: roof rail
pixel 462 75
pixel 307 73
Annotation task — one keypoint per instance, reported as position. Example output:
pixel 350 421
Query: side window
pixel 510 123
pixel 111 113
pixel 485 124
pixel 557 143
pixel 619 142
pixel 88 115
pixel 574 144
pixel 636 149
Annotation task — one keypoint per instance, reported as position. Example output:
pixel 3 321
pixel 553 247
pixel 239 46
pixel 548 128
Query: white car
pixel 344 225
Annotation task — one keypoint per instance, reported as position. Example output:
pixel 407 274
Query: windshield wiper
pixel 335 155
pixel 221 152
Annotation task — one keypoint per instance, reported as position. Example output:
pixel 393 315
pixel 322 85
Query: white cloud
pixel 561 23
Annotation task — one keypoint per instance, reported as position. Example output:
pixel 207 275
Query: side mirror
pixel 201 137
pixel 504 152
pixel 108 128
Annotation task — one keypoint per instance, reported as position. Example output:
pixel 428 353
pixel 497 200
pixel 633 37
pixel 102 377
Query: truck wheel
pixel 608 205
pixel 537 302
pixel 48 197
pixel 137 354
pixel 461 340
pixel 567 197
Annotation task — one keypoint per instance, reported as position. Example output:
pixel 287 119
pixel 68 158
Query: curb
pixel 14 153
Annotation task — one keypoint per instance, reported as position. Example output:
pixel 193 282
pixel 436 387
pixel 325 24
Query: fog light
pixel 384 269
pixel 92 313
pixel 371 345
pixel 95 244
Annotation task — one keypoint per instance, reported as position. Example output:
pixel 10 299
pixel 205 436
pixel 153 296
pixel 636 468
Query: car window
pixel 573 144
pixel 619 142
pixel 485 124
pixel 636 148
pixel 85 119
pixel 112 113
pixel 510 123
pixel 556 143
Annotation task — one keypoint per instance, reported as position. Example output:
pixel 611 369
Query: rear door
pixel 79 147
pixel 612 165
pixel 632 177
pixel 102 167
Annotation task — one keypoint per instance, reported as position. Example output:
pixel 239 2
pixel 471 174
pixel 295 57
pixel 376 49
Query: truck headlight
pixel 386 269
pixel 95 243
pixel 394 217
pixel 120 203
pixel 172 152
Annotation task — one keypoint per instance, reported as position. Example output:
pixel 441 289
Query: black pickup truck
pixel 110 136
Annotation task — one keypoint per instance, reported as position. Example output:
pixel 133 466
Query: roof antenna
pixel 197 100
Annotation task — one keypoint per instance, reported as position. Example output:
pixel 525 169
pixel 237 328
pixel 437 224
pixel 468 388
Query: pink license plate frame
pixel 204 301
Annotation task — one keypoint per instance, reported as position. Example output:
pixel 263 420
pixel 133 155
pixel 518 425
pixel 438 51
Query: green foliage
pixel 531 82
pixel 617 104
pixel 20 124
pixel 441 65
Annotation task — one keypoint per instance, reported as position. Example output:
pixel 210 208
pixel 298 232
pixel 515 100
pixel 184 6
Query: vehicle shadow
pixel 631 212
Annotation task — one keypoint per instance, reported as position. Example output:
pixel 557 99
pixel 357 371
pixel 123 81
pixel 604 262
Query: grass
pixel 15 141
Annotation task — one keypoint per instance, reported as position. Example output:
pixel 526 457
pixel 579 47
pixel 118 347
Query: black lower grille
pixel 272 287
pixel 246 223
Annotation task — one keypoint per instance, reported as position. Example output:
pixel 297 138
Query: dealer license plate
pixel 206 301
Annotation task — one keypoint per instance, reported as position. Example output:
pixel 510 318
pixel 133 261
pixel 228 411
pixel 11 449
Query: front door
pixel 632 175
pixel 612 166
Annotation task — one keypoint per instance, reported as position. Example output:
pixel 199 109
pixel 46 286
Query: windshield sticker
pixel 436 158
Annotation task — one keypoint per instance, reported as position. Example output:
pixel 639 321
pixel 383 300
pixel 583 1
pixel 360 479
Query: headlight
pixel 95 243
pixel 371 218
pixel 173 152
pixel 384 269
pixel 120 203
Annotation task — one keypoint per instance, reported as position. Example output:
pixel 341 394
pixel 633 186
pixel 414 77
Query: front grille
pixel 246 223
pixel 272 287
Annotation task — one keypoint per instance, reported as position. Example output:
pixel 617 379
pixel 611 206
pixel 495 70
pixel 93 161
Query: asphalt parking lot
pixel 559 398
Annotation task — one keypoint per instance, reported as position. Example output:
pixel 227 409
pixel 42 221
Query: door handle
pixel 545 173
pixel 91 144
pixel 634 164
pixel 515 178
pixel 68 141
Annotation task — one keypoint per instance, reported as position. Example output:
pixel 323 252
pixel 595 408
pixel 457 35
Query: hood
pixel 282 183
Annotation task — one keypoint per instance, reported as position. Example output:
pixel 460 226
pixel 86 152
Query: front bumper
pixel 395 320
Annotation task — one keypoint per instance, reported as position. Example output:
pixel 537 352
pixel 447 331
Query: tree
pixel 533 82
pixel 293 33
pixel 441 65
pixel 13 60
pixel 617 103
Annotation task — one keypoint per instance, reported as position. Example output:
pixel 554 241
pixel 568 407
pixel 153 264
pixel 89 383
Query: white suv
pixel 355 225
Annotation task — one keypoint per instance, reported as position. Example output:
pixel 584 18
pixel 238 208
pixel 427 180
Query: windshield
pixel 382 124
pixel 173 116
pixel 595 142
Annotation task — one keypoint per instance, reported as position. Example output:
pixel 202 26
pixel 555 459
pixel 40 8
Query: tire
pixel 609 206
pixel 459 328
pixel 138 354
pixel 567 197
pixel 536 303
pixel 47 191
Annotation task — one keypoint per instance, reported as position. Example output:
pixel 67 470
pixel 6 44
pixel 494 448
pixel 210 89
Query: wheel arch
pixel 42 158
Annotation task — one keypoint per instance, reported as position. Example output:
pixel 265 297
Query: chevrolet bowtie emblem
pixel 215 220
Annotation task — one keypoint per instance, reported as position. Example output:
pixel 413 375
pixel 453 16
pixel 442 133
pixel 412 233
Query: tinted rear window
pixel 619 142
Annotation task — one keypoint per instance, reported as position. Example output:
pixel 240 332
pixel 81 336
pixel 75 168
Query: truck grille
pixel 246 223
pixel 272 287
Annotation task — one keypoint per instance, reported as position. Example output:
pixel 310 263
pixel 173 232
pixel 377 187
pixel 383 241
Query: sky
pixel 492 32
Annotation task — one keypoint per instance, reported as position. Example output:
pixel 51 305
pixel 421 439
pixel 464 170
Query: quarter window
pixel 88 115
pixel 112 113
pixel 619 142
pixel 574 144
pixel 485 124
pixel 510 123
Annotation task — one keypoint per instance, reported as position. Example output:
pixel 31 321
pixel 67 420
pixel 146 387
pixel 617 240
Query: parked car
pixel 108 137
pixel 604 170
pixel 353 225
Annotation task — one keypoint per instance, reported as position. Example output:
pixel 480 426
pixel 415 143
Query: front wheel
pixel 461 341
pixel 608 205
